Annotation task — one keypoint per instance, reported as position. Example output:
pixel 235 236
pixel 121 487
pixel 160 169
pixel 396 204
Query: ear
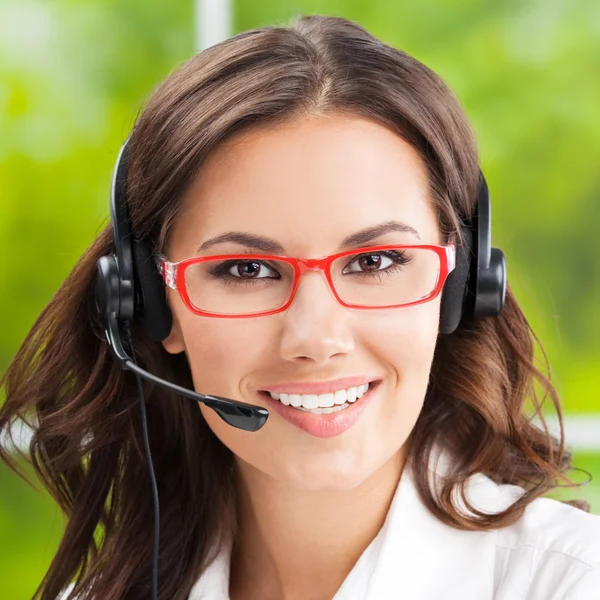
pixel 174 342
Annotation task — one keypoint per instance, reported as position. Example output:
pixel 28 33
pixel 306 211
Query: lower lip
pixel 323 426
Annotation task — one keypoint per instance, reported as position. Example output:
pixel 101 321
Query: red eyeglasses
pixel 256 285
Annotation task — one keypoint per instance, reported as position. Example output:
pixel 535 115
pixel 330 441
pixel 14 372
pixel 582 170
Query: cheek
pixel 220 352
pixel 406 338
pixel 405 343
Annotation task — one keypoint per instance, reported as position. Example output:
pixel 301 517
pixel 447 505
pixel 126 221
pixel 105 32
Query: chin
pixel 328 475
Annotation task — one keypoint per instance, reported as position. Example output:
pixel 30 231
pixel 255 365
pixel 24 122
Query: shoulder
pixel 554 526
pixel 552 552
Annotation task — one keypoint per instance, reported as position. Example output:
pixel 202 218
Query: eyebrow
pixel 269 245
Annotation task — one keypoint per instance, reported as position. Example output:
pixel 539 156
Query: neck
pixel 303 544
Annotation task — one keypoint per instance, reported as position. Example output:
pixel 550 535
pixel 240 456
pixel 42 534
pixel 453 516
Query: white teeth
pixel 326 400
pixel 322 403
pixel 310 401
pixel 339 398
pixel 352 394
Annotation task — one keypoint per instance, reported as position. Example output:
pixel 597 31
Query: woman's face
pixel 308 184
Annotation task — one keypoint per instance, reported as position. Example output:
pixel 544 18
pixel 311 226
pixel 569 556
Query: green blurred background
pixel 73 75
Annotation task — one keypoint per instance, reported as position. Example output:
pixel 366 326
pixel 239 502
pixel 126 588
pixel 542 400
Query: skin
pixel 309 506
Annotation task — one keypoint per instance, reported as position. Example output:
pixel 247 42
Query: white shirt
pixel 551 553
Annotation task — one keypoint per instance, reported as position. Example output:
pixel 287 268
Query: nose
pixel 316 327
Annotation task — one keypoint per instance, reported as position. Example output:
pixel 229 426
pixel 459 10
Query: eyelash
pixel 221 271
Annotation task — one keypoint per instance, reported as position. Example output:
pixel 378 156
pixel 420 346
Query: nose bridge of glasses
pixel 313 264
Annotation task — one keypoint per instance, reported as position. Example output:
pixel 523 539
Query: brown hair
pixel 87 441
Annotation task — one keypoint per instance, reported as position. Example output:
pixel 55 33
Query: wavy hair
pixel 87 439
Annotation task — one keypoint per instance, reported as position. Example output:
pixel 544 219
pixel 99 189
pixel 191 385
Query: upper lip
pixel 318 387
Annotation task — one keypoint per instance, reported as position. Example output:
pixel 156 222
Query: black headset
pixel 129 286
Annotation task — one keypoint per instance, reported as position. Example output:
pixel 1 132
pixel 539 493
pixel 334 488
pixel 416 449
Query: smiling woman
pixel 308 195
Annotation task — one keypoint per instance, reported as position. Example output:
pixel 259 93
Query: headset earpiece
pixel 152 309
pixel 477 286
pixel 454 294
pixel 107 297
pixel 491 292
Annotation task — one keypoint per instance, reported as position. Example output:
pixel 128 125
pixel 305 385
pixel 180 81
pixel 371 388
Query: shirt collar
pixel 414 554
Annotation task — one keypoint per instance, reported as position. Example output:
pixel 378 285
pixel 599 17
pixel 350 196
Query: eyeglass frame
pixel 173 274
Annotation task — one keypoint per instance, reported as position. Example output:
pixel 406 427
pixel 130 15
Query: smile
pixel 322 403
pixel 316 421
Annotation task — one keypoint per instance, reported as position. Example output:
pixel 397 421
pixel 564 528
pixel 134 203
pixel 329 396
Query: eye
pixel 249 270
pixel 246 269
pixel 376 261
pixel 370 262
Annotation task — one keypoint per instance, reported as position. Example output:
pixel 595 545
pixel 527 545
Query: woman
pixel 288 142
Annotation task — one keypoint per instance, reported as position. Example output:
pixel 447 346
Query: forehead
pixel 308 183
